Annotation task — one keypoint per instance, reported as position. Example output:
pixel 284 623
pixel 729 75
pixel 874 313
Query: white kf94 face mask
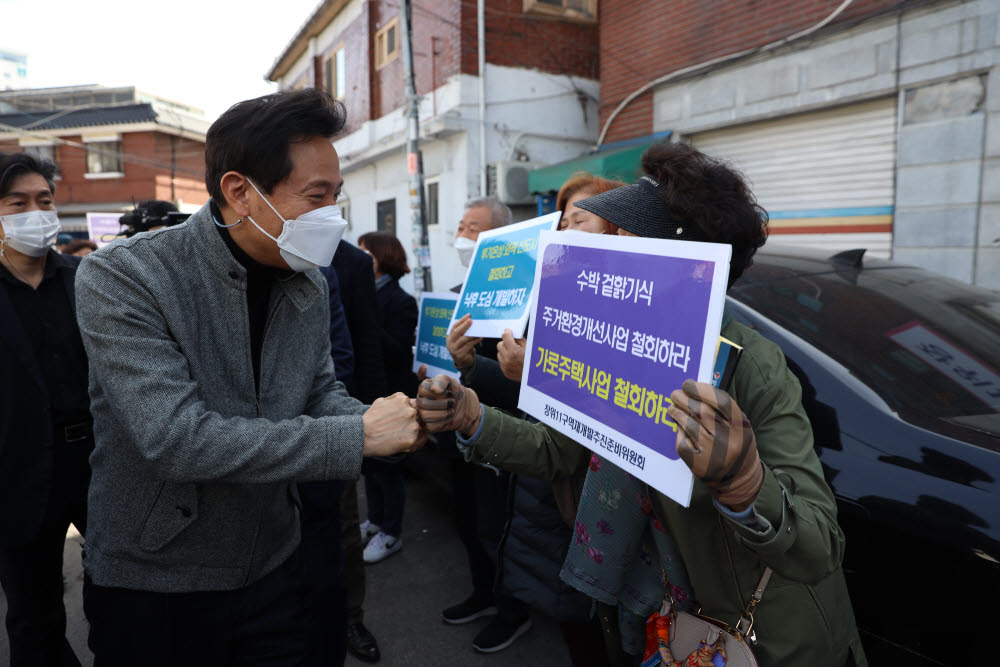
pixel 31 232
pixel 464 246
pixel 309 241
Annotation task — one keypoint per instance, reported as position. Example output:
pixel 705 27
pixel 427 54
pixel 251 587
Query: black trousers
pixel 31 574
pixel 323 567
pixel 354 562
pixel 385 491
pixel 481 511
pixel 262 624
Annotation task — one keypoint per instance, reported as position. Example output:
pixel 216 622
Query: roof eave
pixel 315 24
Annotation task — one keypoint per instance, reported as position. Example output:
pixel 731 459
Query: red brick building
pixel 519 34
pixel 860 124
pixel 112 147
pixel 540 103
pixel 684 33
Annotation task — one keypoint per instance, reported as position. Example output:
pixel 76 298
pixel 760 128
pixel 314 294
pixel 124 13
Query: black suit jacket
pixel 357 292
pixel 26 445
pixel 398 321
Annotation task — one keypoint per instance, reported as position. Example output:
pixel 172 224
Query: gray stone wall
pixel 941 61
pixel 939 163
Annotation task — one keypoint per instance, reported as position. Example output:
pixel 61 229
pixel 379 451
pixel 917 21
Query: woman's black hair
pixel 712 195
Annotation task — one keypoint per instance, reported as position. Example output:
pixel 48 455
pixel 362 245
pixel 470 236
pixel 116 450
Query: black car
pixel 900 373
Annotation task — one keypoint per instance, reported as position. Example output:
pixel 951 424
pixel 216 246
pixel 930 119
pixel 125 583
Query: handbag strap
pixel 745 624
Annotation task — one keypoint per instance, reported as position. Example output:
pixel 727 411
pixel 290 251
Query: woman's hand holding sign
pixel 510 355
pixel 443 404
pixel 716 441
pixel 462 348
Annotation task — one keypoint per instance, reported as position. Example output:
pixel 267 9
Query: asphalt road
pixel 405 594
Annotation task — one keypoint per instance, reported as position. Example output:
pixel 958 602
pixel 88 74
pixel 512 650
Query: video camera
pixel 151 214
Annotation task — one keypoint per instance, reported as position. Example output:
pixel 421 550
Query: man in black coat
pixel 322 553
pixel 45 424
pixel 352 272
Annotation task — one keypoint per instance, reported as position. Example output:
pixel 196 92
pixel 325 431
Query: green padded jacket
pixel 805 615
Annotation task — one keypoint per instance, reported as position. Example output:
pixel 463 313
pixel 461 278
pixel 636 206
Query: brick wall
pixel 358 90
pixel 516 39
pixel 682 33
pixel 147 168
pixel 445 43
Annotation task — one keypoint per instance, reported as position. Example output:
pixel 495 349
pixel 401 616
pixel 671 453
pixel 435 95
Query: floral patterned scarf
pixel 618 548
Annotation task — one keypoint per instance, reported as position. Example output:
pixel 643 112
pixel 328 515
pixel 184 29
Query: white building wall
pixel 530 115
pixel 942 60
pixel 328 38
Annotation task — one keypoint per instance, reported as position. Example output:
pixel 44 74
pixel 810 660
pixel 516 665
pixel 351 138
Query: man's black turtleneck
pixel 259 280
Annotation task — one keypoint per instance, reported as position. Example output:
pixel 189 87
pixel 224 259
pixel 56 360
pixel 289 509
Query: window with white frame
pixel 104 157
pixel 577 10
pixel 335 74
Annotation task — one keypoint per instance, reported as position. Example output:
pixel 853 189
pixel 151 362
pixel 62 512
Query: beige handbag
pixel 689 631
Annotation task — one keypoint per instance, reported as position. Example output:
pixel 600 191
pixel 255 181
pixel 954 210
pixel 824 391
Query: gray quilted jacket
pixel 193 472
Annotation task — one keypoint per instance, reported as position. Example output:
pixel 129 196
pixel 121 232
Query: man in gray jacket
pixel 213 390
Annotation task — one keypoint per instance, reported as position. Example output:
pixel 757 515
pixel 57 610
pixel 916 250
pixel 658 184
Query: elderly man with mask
pixel 213 389
pixel 481 214
pixel 45 434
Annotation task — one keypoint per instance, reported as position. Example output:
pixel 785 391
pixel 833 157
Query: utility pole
pixel 481 52
pixel 414 160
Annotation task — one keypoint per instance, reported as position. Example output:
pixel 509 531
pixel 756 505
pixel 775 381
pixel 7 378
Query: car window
pixel 928 345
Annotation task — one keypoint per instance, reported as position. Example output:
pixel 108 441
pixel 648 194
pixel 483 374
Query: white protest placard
pixel 498 284
pixel 436 309
pixel 617 324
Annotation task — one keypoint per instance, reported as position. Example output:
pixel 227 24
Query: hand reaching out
pixel 445 405
pixel 391 426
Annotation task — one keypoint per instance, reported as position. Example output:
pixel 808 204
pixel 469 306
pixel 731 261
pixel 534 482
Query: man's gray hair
pixel 499 212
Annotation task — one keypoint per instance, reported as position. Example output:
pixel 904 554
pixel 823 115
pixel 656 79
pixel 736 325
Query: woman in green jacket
pixel 759 498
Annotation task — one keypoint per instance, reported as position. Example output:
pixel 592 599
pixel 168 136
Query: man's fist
pixel 462 348
pixel 391 426
pixel 715 440
pixel 445 405
pixel 510 354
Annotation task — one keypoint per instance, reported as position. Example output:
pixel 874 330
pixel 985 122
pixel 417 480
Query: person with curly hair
pixel 759 500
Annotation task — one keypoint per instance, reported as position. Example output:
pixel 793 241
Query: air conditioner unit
pixel 508 181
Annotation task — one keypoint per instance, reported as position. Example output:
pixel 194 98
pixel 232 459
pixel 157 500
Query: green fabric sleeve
pixel 804 541
pixel 527 448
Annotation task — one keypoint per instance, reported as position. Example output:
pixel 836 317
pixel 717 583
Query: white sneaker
pixel 368 531
pixel 381 547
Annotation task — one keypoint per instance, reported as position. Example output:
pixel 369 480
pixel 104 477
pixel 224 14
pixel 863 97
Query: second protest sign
pixel 498 284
